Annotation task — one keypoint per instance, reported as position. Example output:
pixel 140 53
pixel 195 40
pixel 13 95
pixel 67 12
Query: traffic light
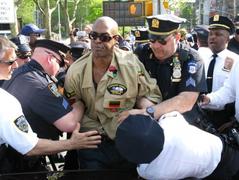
pixel 136 8
pixel 165 4
pixel 141 8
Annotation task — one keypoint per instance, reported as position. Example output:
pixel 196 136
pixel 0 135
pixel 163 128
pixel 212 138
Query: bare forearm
pixel 45 147
pixel 143 102
pixel 78 110
pixel 181 103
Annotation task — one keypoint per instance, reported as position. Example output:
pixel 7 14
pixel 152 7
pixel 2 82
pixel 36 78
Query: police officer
pixel 108 80
pixel 177 68
pixel 141 38
pixel 47 111
pixel 233 44
pixel 15 130
pixel 218 65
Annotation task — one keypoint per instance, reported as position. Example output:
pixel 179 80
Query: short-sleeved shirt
pixel 125 80
pixel 14 128
pixel 41 102
pixel 192 73
pixel 187 151
pixel 224 62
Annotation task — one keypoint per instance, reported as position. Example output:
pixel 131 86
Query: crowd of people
pixel 165 105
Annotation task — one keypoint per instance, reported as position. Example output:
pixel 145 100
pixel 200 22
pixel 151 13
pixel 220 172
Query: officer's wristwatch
pixel 150 110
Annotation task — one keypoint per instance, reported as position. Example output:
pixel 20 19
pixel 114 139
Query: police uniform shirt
pixel 192 72
pixel 187 151
pixel 14 128
pixel 224 62
pixel 229 92
pixel 41 102
pixel 125 80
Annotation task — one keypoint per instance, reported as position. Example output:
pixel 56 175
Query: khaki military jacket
pixel 124 82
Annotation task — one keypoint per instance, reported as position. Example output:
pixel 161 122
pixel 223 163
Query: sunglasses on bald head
pixel 103 37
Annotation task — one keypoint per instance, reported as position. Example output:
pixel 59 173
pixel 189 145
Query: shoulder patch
pixel 228 63
pixel 22 124
pixel 53 88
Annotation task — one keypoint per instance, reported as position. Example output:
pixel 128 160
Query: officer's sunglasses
pixel 61 61
pixel 160 40
pixel 103 37
pixel 8 62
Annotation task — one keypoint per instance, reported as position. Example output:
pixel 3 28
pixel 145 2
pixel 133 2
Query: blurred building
pixel 208 8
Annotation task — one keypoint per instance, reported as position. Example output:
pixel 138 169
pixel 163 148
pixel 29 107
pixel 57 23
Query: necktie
pixel 210 73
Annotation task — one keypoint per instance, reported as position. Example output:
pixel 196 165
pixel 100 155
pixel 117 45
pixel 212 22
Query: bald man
pixel 108 80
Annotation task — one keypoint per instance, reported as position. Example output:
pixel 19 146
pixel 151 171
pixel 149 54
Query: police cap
pixel 141 35
pixel 54 46
pixel 221 22
pixel 202 31
pixel 164 24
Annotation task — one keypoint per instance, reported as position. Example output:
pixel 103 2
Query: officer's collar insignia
pixel 116 89
pixel 137 34
pixel 22 124
pixel 53 88
pixel 192 67
pixel 190 82
pixel 155 23
pixel 112 69
pixel 216 18
pixel 228 63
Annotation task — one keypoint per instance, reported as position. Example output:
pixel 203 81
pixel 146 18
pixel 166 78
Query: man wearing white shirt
pixel 218 69
pixel 173 149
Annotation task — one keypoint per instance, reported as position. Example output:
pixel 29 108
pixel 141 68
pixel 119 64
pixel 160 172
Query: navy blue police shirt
pixel 41 102
pixel 190 78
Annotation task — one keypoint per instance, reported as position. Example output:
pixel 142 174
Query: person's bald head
pixel 106 24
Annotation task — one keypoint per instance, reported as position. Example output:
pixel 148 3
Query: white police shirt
pixel 205 53
pixel 224 63
pixel 229 92
pixel 187 151
pixel 14 128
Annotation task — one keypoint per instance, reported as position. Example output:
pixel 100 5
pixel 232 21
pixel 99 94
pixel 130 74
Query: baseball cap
pixel 31 28
pixel 139 139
